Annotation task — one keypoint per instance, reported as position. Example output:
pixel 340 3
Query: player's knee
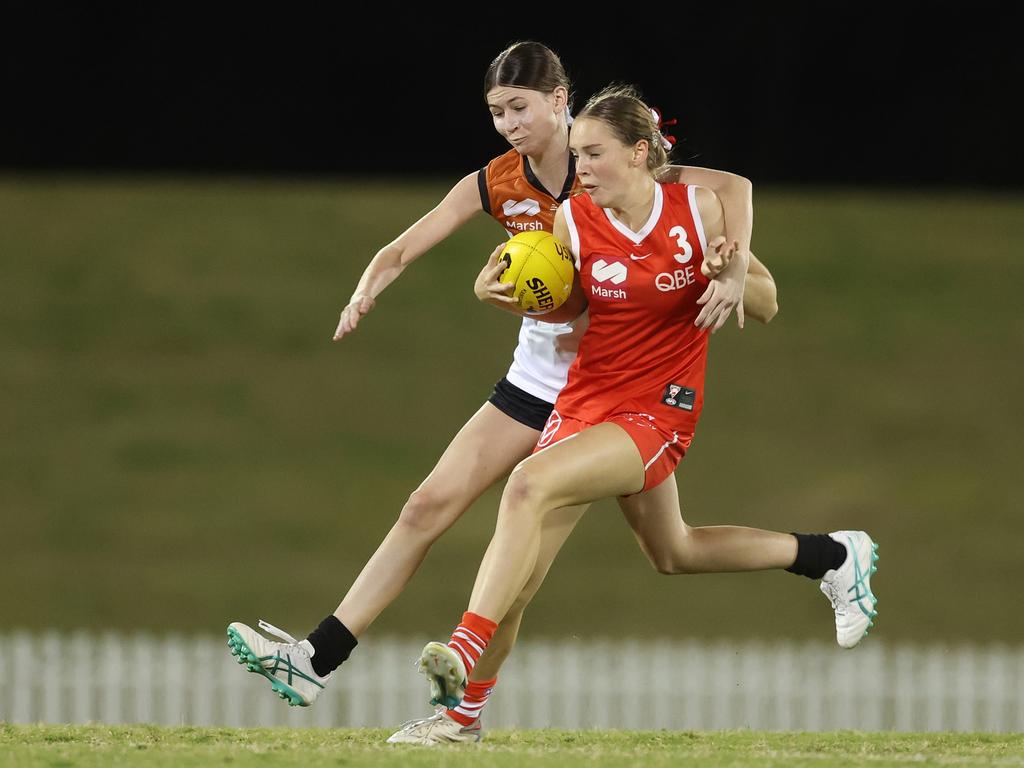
pixel 663 565
pixel 671 565
pixel 667 562
pixel 526 492
pixel 428 512
pixel 521 488
pixel 675 559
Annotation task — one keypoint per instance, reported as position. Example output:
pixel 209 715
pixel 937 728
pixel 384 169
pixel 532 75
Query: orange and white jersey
pixel 642 352
pixel 511 193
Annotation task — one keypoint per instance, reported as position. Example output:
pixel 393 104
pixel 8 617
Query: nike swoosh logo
pixel 638 258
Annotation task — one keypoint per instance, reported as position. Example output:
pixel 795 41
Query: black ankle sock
pixel 332 643
pixel 816 553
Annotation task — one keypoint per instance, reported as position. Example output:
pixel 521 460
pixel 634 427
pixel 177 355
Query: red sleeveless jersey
pixel 642 353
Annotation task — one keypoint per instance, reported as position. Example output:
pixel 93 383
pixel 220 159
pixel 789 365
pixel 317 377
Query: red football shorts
pixel 661 448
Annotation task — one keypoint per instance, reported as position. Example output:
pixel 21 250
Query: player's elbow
pixel 667 567
pixel 570 311
pixel 762 314
pixel 741 184
pixel 563 314
pixel 762 308
pixel 735 187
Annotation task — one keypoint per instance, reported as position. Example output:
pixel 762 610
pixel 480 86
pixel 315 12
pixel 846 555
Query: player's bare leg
pixel 461 723
pixel 484 451
pixel 598 462
pixel 674 547
pixel 843 561
pixel 603 461
pixel 556 529
pixel 653 514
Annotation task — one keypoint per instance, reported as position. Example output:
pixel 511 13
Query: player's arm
pixel 576 304
pixel 734 191
pixel 451 213
pixel 759 294
pixel 733 217
pixel 725 290
pixel 573 307
pixel 760 299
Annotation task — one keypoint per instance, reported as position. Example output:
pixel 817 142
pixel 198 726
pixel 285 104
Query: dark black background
pixel 908 95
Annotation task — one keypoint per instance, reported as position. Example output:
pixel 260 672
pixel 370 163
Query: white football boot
pixel 848 587
pixel 286 665
pixel 437 729
pixel 446 673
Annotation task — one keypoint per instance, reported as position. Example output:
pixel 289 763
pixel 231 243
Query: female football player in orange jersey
pixel 628 412
pixel 527 93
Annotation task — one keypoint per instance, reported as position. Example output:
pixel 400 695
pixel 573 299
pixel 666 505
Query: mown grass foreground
pixel 270 748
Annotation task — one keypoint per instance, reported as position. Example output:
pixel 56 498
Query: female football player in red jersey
pixel 634 394
pixel 527 93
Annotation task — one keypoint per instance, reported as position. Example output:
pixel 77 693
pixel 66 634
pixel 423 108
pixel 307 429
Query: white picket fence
pixel 176 680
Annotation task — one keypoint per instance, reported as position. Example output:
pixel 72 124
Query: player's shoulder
pixel 578 210
pixel 680 193
pixel 580 202
pixel 700 201
pixel 504 168
pixel 706 200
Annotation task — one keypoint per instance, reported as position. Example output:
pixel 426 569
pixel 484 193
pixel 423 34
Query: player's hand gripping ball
pixel 540 270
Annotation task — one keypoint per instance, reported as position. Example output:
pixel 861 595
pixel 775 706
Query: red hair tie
pixel 667 141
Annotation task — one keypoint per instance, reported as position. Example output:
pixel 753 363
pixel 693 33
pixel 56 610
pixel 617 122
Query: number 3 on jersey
pixel 679 233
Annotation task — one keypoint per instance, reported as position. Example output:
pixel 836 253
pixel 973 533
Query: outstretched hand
pixel 725 289
pixel 359 306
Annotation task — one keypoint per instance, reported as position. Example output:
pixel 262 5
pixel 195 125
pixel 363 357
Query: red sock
pixel 471 637
pixel 473 702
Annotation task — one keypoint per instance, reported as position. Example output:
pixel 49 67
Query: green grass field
pixel 183 445
pixel 76 746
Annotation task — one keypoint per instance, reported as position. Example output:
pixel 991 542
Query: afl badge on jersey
pixel 679 396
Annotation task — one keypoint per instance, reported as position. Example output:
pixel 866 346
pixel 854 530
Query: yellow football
pixel 540 269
